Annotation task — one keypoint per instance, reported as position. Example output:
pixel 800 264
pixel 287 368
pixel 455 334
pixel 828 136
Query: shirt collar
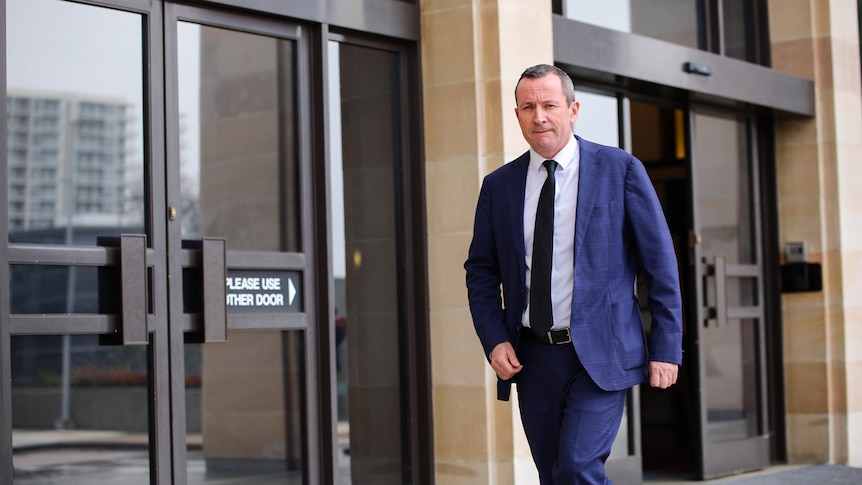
pixel 563 158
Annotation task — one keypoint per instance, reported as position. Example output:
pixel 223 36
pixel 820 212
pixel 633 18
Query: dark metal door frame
pixel 5 357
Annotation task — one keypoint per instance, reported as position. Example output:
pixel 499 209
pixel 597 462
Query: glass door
pixel 158 312
pixel 242 347
pixel 87 348
pixel 728 268
pixel 375 440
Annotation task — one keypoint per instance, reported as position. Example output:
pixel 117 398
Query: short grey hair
pixel 542 70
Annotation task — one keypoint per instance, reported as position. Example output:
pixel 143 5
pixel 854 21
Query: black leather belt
pixel 554 337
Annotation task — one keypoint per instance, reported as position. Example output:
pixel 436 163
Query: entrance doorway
pixel 668 417
pixel 216 243
pixel 703 164
pixel 160 259
pixel 704 167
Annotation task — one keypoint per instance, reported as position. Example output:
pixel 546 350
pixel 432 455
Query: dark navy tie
pixel 541 316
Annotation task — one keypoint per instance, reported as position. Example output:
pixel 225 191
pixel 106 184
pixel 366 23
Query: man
pixel 563 322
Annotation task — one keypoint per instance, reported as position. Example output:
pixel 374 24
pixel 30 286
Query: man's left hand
pixel 662 374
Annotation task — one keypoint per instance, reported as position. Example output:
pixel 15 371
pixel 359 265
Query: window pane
pixel 598 118
pixel 738 39
pixel 39 289
pixel 366 238
pixel 725 205
pixel 75 121
pixel 238 152
pixel 671 20
pixel 683 22
pixel 79 411
pixel 239 180
pixel 75 174
pixel 245 409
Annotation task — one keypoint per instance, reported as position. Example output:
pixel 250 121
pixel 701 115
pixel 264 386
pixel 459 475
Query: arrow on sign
pixel 291 291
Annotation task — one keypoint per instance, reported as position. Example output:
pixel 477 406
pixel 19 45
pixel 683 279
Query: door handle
pixel 718 270
pixel 722 312
pixel 133 276
pixel 214 268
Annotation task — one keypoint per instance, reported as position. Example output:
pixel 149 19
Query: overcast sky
pixel 73 48
pixel 97 55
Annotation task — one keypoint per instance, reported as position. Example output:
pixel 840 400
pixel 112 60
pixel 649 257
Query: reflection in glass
pixel 244 409
pixel 75 175
pixel 74 118
pixel 39 289
pixel 239 180
pixel 368 321
pixel 725 204
pixel 94 433
pixel 238 153
pixel 725 190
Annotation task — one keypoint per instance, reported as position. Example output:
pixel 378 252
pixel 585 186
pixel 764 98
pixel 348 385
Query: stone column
pixel 819 165
pixel 473 52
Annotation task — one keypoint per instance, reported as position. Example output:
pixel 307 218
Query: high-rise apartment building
pixel 68 160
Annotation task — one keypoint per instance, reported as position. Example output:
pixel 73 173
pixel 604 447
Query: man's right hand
pixel 504 361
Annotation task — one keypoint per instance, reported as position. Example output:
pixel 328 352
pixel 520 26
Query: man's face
pixel 545 118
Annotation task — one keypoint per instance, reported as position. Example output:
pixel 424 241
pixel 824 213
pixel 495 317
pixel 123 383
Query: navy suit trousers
pixel 570 422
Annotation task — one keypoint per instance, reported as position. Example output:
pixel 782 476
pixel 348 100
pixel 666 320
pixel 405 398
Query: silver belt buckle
pixel 568 337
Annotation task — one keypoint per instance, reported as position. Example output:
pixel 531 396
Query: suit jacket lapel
pixel 589 178
pixel 515 186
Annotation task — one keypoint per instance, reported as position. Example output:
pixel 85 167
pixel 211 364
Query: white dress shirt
pixel 565 205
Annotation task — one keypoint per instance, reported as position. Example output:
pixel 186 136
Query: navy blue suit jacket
pixel 620 227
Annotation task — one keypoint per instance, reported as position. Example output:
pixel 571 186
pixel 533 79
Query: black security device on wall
pixel 799 277
pixel 798 274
